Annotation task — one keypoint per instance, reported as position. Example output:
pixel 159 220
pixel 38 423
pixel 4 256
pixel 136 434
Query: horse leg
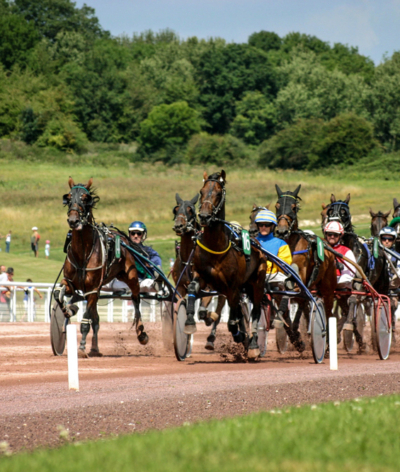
pixel 141 334
pixel 211 338
pixel 190 323
pixel 235 327
pixel 69 309
pixel 254 349
pixel 85 328
pixel 94 316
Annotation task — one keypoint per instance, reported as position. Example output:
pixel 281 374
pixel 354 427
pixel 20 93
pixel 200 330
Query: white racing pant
pixel 146 285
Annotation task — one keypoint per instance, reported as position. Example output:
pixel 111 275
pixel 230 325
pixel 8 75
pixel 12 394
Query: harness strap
pixel 214 252
pixel 299 252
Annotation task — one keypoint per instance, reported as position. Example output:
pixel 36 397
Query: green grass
pixel 31 195
pixel 358 435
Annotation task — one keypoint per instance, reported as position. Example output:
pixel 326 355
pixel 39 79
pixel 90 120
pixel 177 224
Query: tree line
pixel 287 102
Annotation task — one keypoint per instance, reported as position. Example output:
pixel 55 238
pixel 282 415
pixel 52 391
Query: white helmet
pixel 334 227
pixel 388 231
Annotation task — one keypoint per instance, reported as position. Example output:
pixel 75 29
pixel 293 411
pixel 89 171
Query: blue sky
pixel 372 25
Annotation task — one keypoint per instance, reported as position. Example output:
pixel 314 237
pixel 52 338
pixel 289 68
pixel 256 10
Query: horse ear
pixel 71 183
pixel 372 213
pixel 89 184
pixel 323 206
pixel 347 198
pixel 278 190
pixel 254 206
pixel 297 190
pixel 205 175
pixel 223 174
pixel 267 206
pixel 178 199
pixel 395 203
pixel 387 214
pixel 193 201
pixel 333 198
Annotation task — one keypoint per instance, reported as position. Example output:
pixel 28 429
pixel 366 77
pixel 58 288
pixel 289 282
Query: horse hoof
pixel 209 346
pixel 143 338
pixel 300 346
pixel 190 329
pixel 208 321
pixel 253 353
pixel 82 354
pixel 94 353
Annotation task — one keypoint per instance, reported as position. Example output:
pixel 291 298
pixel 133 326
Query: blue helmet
pixel 266 216
pixel 138 226
pixel 388 231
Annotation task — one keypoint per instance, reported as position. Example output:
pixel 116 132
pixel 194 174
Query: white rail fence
pixel 23 303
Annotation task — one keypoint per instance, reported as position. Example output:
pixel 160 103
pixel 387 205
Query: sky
pixel 371 25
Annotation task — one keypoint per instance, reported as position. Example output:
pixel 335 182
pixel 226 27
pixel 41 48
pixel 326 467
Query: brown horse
pixel 396 214
pixel 224 267
pixel 315 274
pixel 379 220
pixel 88 266
pixel 186 226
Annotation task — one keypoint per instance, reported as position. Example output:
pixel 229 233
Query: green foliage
pixel 265 40
pixel 255 120
pixel 214 149
pixel 311 144
pixel 169 125
pixel 63 134
pixel 52 16
pixel 224 74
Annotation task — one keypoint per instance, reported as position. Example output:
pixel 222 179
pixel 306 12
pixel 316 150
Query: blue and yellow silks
pixel 278 247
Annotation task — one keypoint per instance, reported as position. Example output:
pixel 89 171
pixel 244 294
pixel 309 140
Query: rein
pixel 214 252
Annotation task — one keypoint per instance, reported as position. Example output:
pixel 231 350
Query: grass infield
pixel 361 435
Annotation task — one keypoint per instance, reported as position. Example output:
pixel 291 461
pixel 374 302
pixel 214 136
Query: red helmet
pixel 334 227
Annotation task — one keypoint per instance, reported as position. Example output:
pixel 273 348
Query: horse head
pixel 379 220
pixel 253 229
pixel 287 208
pixel 80 201
pixel 212 198
pixel 337 210
pixel 184 215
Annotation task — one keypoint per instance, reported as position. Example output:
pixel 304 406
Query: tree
pixel 169 125
pixel 52 16
pixel 224 74
pixel 255 118
pixel 265 40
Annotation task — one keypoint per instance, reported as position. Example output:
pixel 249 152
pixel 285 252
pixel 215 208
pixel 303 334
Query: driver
pixel 387 237
pixel 345 272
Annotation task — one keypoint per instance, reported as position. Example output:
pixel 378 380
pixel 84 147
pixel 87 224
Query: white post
pixel 31 314
pixel 110 311
pixel 80 311
pixel 333 357
pixel 13 307
pixel 72 346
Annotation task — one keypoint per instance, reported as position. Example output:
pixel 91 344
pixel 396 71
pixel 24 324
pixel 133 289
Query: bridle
pixel 189 223
pixel 215 209
pixel 82 206
pixel 335 213
pixel 379 224
pixel 285 211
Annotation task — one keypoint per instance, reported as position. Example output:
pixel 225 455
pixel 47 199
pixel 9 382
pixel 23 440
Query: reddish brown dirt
pixel 134 388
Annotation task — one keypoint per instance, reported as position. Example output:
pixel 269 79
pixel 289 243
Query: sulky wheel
pixel 58 328
pixel 263 326
pixel 383 330
pixel 282 339
pixel 167 324
pixel 318 331
pixel 182 342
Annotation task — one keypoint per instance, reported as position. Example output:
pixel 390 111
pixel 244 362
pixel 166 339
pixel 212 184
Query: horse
pixel 396 214
pixel 88 266
pixel 377 271
pixel 220 264
pixel 379 220
pixel 186 226
pixel 314 273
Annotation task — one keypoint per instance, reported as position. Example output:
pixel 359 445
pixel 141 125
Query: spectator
pixel 5 295
pixel 47 249
pixel 26 301
pixel 3 274
pixel 35 241
pixel 8 241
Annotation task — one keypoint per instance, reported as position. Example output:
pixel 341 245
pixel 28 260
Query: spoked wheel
pixel 383 330
pixel 318 331
pixel 373 329
pixel 58 330
pixel 245 322
pixel 263 328
pixel 349 336
pixel 167 324
pixel 182 342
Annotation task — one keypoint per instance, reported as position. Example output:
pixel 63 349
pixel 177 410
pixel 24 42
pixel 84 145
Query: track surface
pixel 134 388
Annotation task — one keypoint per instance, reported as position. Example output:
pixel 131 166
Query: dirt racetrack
pixel 134 388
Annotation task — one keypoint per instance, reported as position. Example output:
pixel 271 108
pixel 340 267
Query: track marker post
pixel 72 346
pixel 333 357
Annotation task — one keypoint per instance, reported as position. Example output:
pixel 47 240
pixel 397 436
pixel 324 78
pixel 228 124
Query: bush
pixel 311 144
pixel 63 134
pixel 214 149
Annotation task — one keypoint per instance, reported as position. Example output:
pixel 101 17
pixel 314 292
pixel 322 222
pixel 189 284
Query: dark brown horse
pixel 315 274
pixel 379 220
pixel 186 226
pixel 88 265
pixel 223 267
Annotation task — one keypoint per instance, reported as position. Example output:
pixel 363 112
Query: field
pixel 31 195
